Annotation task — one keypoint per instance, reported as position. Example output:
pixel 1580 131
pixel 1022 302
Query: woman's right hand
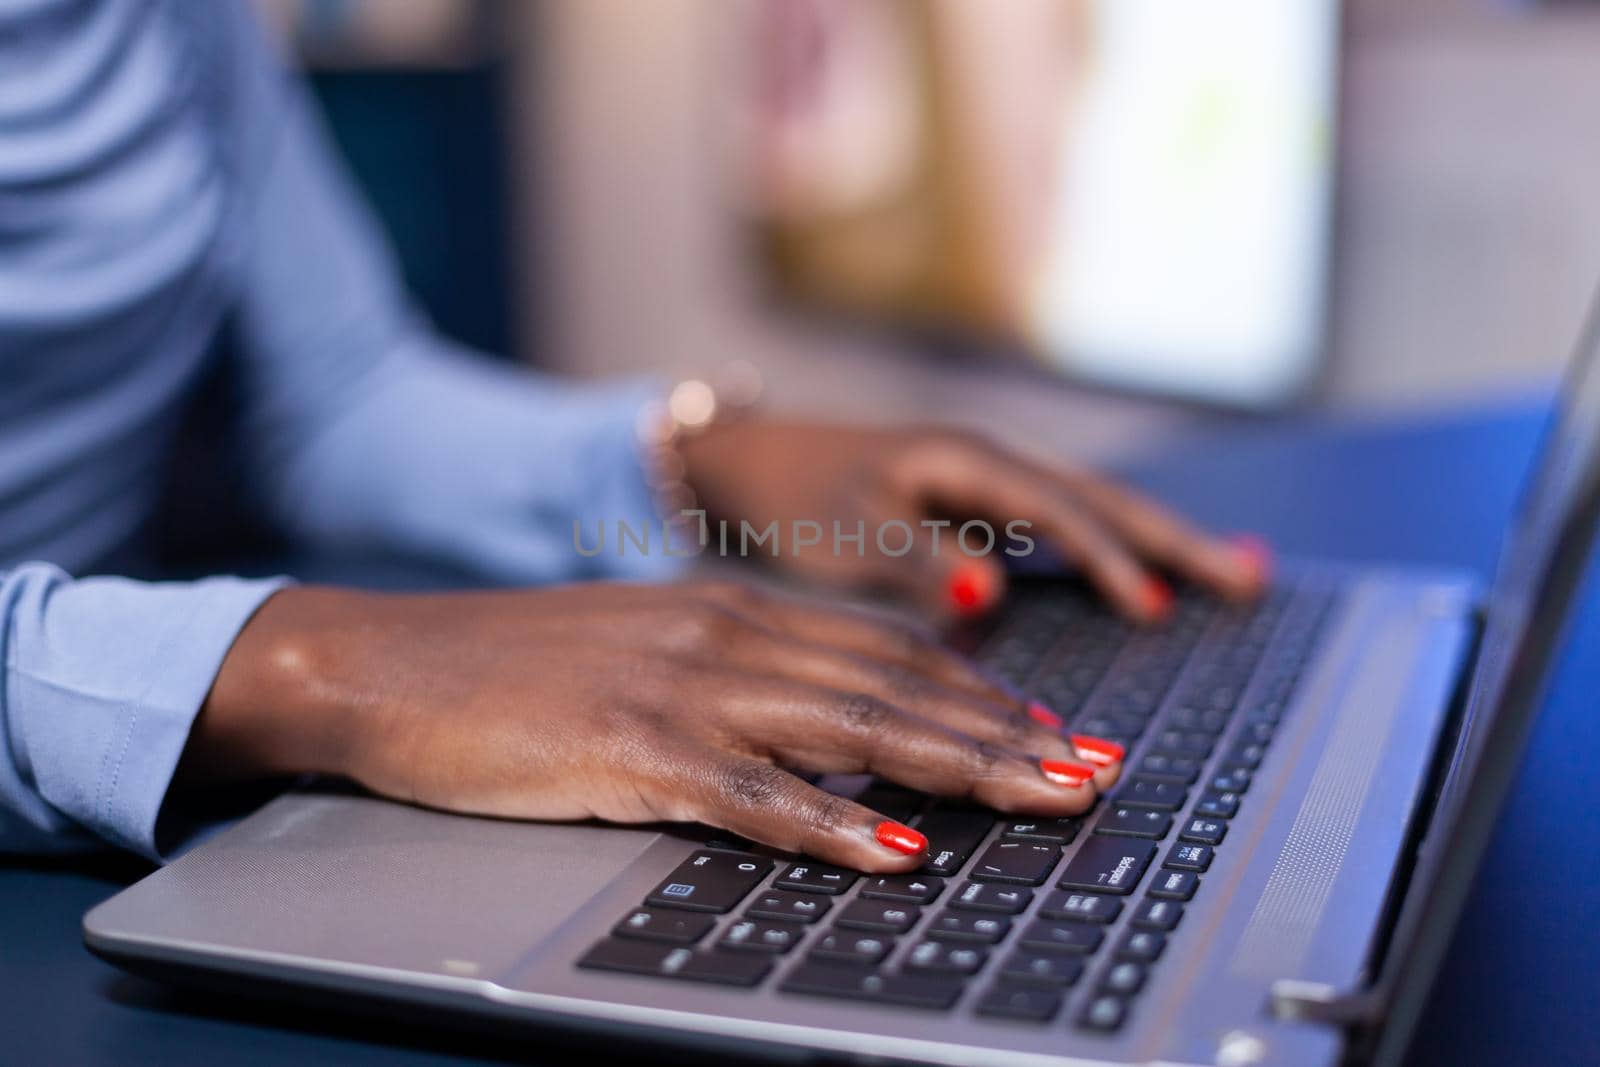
pixel 633 704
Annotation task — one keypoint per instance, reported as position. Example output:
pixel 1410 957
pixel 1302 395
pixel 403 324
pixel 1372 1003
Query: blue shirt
pixel 162 176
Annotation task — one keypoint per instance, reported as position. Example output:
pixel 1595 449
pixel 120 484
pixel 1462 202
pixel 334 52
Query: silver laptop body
pixel 1313 939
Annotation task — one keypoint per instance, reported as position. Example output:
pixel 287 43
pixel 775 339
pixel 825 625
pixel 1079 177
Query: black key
pixel 1235 781
pixel 1245 755
pixel 782 904
pixel 952 835
pixel 676 961
pixel 1185 768
pixel 1205 720
pixel 817 878
pixel 891 801
pixel 944 957
pixel 1108 865
pixel 710 881
pixel 1266 711
pixel 987 896
pixel 1084 907
pixel 1256 732
pixel 762 935
pixel 1188 858
pixel 1022 862
pixel 1060 831
pixel 1134 822
pixel 842 946
pixel 1028 1003
pixel 1218 805
pixel 1125 978
pixel 1153 791
pixel 651 924
pixel 1190 743
pixel 933 991
pixel 955 926
pixel 886 917
pixel 1203 831
pixel 1174 885
pixel 1051 968
pixel 1158 915
pixel 1141 946
pixel 1062 936
pixel 907 888
pixel 1104 1013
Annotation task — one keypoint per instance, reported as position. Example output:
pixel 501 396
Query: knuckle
pixel 905 681
pixel 984 759
pixel 827 815
pixel 704 624
pixel 753 785
pixel 1019 730
pixel 939 451
pixel 864 714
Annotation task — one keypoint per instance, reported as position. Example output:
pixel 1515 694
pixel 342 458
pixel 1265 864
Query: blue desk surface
pixel 1520 982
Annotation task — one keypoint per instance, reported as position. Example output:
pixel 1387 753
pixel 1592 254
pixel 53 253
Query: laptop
pixel 1310 785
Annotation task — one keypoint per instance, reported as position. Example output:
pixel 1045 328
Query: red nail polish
pixel 971 589
pixel 1256 553
pixel 1157 598
pixel 1044 716
pixel 1063 772
pixel 900 838
pixel 1097 749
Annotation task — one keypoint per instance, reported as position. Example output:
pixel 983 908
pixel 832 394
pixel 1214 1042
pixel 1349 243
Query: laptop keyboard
pixel 1018 918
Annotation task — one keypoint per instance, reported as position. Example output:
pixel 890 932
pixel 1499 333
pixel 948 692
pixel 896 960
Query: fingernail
pixel 900 838
pixel 1097 749
pixel 1156 598
pixel 1044 716
pixel 1255 553
pixel 971 589
pixel 1062 772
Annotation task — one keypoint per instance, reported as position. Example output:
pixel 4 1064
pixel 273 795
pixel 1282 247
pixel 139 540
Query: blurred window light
pixel 1135 192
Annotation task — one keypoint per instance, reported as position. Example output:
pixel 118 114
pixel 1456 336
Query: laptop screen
pixel 1543 558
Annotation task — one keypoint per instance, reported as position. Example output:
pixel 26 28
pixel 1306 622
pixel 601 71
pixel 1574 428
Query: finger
pixel 1014 724
pixel 1104 755
pixel 889 642
pixel 944 581
pixel 767 804
pixel 1237 568
pixel 832 731
pixel 1009 489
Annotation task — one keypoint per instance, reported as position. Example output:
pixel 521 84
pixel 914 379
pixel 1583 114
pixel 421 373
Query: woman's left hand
pixel 925 483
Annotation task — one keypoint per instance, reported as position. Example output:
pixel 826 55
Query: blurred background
pixel 1088 226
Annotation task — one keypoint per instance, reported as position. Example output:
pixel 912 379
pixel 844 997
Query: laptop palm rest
pixel 313 878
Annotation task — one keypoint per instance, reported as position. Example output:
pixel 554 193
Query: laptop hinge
pixel 1318 1002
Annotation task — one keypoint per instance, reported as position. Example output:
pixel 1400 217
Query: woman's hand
pixel 760 471
pixel 633 704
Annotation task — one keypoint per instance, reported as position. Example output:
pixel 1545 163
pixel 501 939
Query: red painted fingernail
pixel 900 838
pixel 1044 716
pixel 1156 598
pixel 971 589
pixel 1256 554
pixel 1062 772
pixel 1097 749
